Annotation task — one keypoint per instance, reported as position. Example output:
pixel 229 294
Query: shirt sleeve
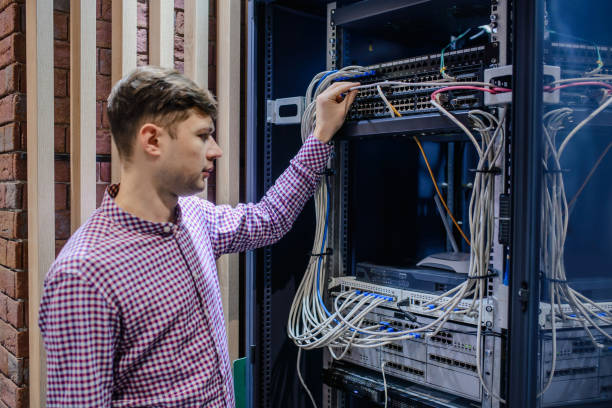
pixel 250 226
pixel 79 329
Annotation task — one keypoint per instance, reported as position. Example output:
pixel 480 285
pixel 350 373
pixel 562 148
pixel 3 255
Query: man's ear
pixel 149 139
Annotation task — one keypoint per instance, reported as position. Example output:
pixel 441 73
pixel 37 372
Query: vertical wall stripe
pixel 40 148
pixel 82 111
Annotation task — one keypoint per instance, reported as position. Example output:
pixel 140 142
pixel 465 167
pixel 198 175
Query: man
pixel 131 311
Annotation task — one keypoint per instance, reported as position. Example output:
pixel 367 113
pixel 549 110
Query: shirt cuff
pixel 314 154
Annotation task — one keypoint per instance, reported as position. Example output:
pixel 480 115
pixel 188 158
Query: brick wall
pixel 103 86
pixel 13 226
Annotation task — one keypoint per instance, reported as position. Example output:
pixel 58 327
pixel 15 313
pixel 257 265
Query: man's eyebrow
pixel 206 129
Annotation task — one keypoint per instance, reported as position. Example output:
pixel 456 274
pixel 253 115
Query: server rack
pixel 323 38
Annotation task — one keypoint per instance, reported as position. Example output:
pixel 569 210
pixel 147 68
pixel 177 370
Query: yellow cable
pixel 433 178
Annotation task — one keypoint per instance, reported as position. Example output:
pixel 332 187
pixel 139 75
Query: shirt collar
pixel 131 222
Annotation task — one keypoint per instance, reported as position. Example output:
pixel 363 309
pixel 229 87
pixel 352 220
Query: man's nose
pixel 214 151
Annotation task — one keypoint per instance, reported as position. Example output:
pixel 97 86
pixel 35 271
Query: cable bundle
pixel 311 325
pixel 555 219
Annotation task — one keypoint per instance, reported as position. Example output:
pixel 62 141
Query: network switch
pixel 416 278
pixel 446 361
pixel 418 302
pixel 464 65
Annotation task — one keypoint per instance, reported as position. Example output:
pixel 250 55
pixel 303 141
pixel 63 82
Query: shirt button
pixel 167 229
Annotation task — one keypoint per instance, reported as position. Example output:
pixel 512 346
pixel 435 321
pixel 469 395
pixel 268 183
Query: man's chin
pixel 195 189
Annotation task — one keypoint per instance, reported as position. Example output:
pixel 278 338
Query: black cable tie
pixel 492 170
pixel 327 172
pixel 488 275
pixel 552 280
pixel 328 251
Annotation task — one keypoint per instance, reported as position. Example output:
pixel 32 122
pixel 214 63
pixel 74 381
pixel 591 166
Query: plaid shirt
pixel 131 311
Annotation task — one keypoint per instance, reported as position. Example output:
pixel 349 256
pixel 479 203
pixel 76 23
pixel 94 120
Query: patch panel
pixel 452 362
pixel 574 371
pixel 416 301
pixel 464 65
pixel 406 369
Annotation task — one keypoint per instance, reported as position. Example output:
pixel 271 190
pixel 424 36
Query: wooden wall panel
pixel 40 148
pixel 82 111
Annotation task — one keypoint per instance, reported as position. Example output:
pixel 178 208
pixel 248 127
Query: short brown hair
pixel 160 95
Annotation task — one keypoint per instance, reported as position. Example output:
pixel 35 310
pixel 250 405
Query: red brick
pixel 61 196
pixel 11 253
pixel 62 171
pixel 13 224
pixel 10 20
pixel 13 283
pixel 10 137
pixel 59 136
pixel 105 172
pixel 179 66
pixel 100 106
pixel 103 144
pixel 13 395
pixel 62 110
pixel 61 5
pixel 12 167
pixel 12 311
pixel 61 54
pixel 100 189
pixel 12 49
pixel 103 87
pixel 60 26
pixel 179 22
pixel 142 40
pixel 106 10
pixel 12 79
pixel 59 244
pixel 13 108
pixel 142 59
pixel 15 341
pixel 143 15
pixel 179 49
pixel 12 367
pixel 11 195
pixel 62 224
pixel 105 122
pixel 61 82
pixel 103 34
pixel 105 62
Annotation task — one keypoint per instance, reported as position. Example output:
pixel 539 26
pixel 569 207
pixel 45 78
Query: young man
pixel 131 312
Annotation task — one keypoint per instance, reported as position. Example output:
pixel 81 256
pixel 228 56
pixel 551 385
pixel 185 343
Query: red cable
pixel 474 88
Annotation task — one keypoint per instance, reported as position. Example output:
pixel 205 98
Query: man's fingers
pixel 351 98
pixel 337 89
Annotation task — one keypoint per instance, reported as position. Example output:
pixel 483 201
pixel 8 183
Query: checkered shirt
pixel 131 311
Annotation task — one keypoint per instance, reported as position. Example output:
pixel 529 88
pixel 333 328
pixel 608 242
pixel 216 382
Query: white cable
pixel 299 355
pixel 311 326
pixel 382 368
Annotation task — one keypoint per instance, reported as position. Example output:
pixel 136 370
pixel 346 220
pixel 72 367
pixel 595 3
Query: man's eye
pixel 204 136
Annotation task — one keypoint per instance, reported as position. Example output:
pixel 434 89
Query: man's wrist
pixel 323 137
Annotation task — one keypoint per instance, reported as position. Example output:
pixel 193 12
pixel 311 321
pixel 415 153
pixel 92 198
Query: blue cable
pixel 325 76
pixel 323 248
pixel 507 269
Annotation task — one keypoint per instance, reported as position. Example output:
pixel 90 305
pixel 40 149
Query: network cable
pixel 312 325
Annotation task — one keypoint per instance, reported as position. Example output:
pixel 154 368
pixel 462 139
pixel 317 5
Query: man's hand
pixel 332 109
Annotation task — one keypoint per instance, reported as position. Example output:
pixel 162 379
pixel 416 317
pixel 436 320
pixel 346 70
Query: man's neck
pixel 143 199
